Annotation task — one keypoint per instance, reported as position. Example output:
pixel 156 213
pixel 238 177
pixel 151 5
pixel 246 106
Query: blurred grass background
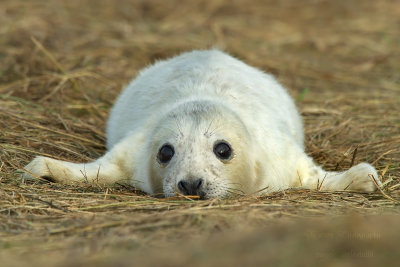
pixel 62 64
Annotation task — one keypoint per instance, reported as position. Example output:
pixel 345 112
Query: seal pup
pixel 204 123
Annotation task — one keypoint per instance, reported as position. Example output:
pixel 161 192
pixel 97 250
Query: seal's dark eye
pixel 222 150
pixel 165 153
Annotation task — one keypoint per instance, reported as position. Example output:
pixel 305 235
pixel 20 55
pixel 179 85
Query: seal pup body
pixel 207 124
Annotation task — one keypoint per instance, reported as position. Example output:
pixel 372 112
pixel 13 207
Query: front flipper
pixel 116 165
pixel 100 171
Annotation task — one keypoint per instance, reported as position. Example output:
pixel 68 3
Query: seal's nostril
pixel 183 186
pixel 197 184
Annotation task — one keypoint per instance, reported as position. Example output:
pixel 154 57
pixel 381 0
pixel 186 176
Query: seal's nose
pixel 191 187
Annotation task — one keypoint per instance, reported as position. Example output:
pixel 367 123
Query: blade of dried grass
pixel 380 189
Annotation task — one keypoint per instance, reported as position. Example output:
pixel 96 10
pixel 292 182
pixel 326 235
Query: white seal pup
pixel 204 123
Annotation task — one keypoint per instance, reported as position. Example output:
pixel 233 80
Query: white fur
pixel 191 101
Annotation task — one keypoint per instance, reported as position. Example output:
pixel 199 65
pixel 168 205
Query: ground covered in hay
pixel 62 64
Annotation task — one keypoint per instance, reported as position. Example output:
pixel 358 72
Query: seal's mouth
pixel 185 197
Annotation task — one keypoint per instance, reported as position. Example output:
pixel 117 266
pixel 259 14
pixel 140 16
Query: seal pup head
pixel 200 148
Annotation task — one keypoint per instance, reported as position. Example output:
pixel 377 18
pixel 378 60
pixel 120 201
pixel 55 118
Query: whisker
pixel 235 193
pixel 178 126
pixel 234 184
pixel 238 191
pixel 176 134
pixel 235 189
pixel 206 133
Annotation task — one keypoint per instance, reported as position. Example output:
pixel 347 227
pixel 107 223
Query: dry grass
pixel 62 63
